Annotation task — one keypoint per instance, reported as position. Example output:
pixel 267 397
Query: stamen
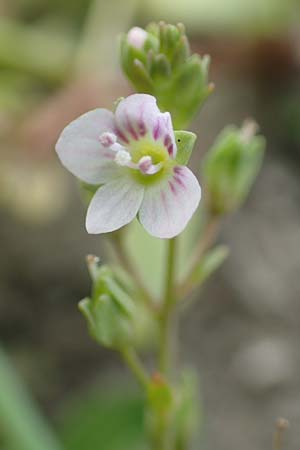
pixel 122 158
pixel 147 167
pixel 145 163
pixel 107 139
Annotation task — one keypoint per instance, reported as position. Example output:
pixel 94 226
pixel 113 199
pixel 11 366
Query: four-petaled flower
pixel 131 155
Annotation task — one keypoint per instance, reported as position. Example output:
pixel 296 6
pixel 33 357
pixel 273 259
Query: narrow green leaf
pixel 209 264
pixel 22 425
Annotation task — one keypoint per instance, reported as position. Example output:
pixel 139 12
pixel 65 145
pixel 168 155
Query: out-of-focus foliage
pixel 107 418
pixel 254 16
pixel 22 425
pixel 34 193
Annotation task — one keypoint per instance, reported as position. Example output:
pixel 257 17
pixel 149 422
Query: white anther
pixel 122 158
pixel 107 139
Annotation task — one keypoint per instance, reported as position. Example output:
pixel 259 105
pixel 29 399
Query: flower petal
pixel 168 206
pixel 114 205
pixel 138 115
pixel 80 150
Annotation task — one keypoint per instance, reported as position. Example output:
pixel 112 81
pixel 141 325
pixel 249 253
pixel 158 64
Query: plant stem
pixel 166 318
pixel 133 362
pixel 205 242
pixel 125 261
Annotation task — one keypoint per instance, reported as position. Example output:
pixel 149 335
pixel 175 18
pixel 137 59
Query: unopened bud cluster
pixel 158 61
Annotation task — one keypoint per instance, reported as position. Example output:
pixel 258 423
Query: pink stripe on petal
pixel 165 214
pixel 142 128
pixel 179 170
pixel 164 199
pixel 157 130
pixel 131 129
pixel 179 181
pixel 170 149
pixel 167 141
pixel 172 187
pixel 121 136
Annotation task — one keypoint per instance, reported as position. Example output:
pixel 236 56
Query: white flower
pixel 131 154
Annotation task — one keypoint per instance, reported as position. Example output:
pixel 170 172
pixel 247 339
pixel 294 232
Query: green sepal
pixel 185 141
pixel 160 68
pixel 107 325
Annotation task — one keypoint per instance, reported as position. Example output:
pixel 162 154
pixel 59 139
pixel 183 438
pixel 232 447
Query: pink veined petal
pixel 163 131
pixel 138 115
pixel 168 206
pixel 114 205
pixel 80 150
pixel 135 115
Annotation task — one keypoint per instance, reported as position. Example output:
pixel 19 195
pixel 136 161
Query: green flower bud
pixel 231 166
pixel 158 61
pixel 110 310
pixel 114 319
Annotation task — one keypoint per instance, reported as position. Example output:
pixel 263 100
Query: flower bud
pixel 114 319
pixel 231 166
pixel 109 310
pixel 137 37
pixel 158 61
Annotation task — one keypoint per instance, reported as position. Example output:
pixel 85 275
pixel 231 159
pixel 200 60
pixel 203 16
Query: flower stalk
pixel 132 360
pixel 166 347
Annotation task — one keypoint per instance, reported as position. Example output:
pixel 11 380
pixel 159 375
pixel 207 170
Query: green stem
pixel 125 261
pixel 133 362
pixel 166 318
pixel 206 240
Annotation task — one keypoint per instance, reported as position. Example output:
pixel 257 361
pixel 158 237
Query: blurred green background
pixel 59 59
